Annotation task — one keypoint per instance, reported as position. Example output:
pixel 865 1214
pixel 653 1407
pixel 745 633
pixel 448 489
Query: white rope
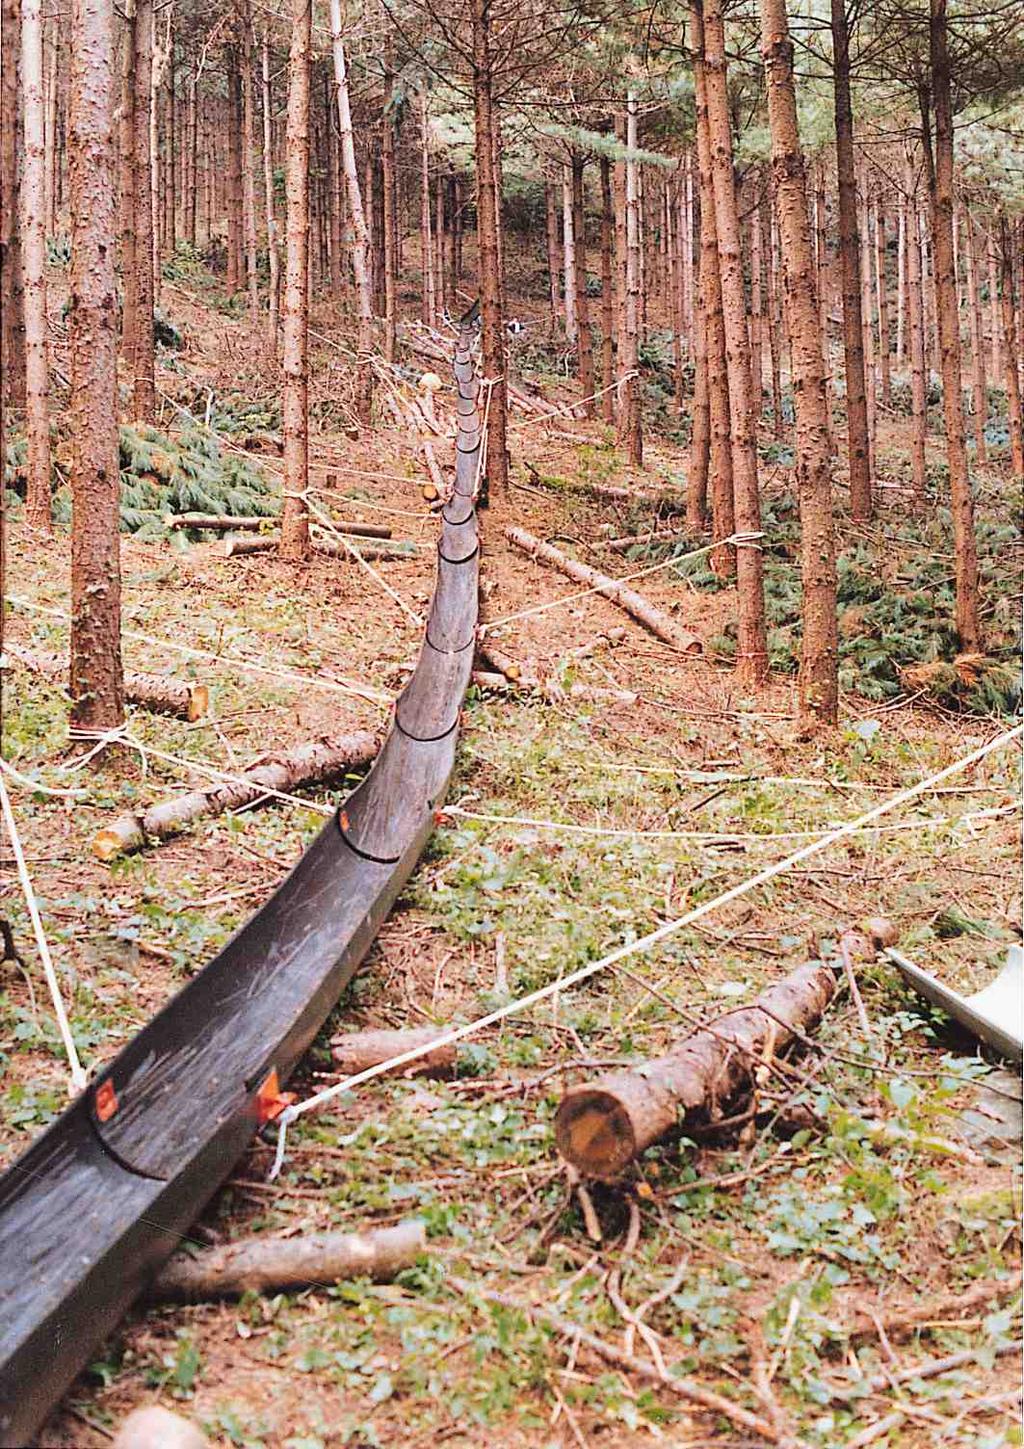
pixel 566 410
pixel 121 736
pixel 78 1078
pixel 27 783
pixel 423 515
pixel 289 676
pixel 742 540
pixel 327 522
pixel 719 837
pixel 645 943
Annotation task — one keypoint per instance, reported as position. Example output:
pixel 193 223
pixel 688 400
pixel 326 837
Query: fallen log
pixel 226 523
pixel 652 535
pixel 603 1125
pixel 549 691
pixel 356 1050
pixel 641 609
pixel 305 764
pixel 665 500
pixel 331 548
pixel 272 1265
pixel 182 697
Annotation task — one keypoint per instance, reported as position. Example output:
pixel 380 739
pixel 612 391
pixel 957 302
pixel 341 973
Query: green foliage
pixel 58 250
pixel 186 472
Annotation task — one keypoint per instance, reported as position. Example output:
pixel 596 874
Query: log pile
pixel 306 764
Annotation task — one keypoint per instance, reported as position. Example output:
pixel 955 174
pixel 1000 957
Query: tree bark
pixel 979 387
pixel 33 257
pixel 233 179
pixel 641 609
pixel 302 765
pixel 866 312
pixel 360 234
pixel 882 291
pixel 940 176
pixel 491 299
pixel 994 315
pixel 144 372
pixel 700 433
pixel 1009 340
pixel 569 256
pixel 96 673
pixel 752 650
pixel 183 698
pixel 126 183
pixel 819 687
pixel 773 312
pixel 629 344
pixel 270 210
pixel 554 271
pixel 12 320
pixel 355 1051
pixel 274 1265
pixel 248 168
pixel 849 257
pixel 901 285
pixel 585 340
pixel 723 525
pixel 387 158
pixel 602 1126
pixel 428 299
pixel 295 348
pixel 915 325
pixel 756 312
pixel 607 295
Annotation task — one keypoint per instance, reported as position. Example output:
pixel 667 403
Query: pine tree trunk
pixel 979 389
pixel 96 673
pixel 192 162
pixel 295 340
pixel 631 359
pixel 33 258
pixel 774 331
pixel 819 689
pixel 882 291
pixel 700 433
pixel 901 284
pixel 1009 341
pixel 867 317
pixel 387 160
pixel 12 321
pixel 50 136
pixel 752 648
pixel 585 340
pixel 915 328
pixel 756 311
pixel 686 246
pixel 940 174
pixel 273 250
pixel 607 295
pixel 360 238
pixel 249 171
pixel 673 240
pixel 569 258
pixel 144 371
pixel 849 257
pixel 723 523
pixel 554 271
pixel 994 318
pixel 428 300
pixel 492 321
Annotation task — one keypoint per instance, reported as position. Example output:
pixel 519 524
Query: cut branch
pixel 601 1126
pixel 181 697
pixel 641 609
pixel 225 523
pixel 357 1050
pixel 240 547
pixel 307 764
pixel 270 1265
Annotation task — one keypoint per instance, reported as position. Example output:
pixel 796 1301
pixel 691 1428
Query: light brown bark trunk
pixel 752 648
pixel 33 259
pixel 901 285
pixel 641 609
pixel 689 306
pixel 819 688
pixel 51 162
pixel 491 298
pixel 96 673
pixel 428 299
pixel 387 158
pixel 700 432
pixel 849 257
pixel 1009 347
pixel 866 312
pixel 723 559
pixel 12 321
pixel 756 311
pixel 310 763
pixel 607 295
pixel 153 691
pixel 569 256
pixel 882 291
pixel 915 327
pixel 554 271
pixel 295 339
pixel 356 1051
pixel 772 312
pixel 629 343
pixel 269 208
pixel 941 185
pixel 248 169
pixel 994 318
pixel 144 372
pixel 979 389
pixel 126 183
pixel 585 340
pixel 360 237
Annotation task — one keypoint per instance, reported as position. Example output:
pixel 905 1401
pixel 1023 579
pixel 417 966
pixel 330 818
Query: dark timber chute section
pixel 100 1200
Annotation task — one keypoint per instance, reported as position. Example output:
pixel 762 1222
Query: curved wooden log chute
pixel 100 1200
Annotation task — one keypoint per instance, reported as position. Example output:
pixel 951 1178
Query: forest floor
pixel 781 1244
